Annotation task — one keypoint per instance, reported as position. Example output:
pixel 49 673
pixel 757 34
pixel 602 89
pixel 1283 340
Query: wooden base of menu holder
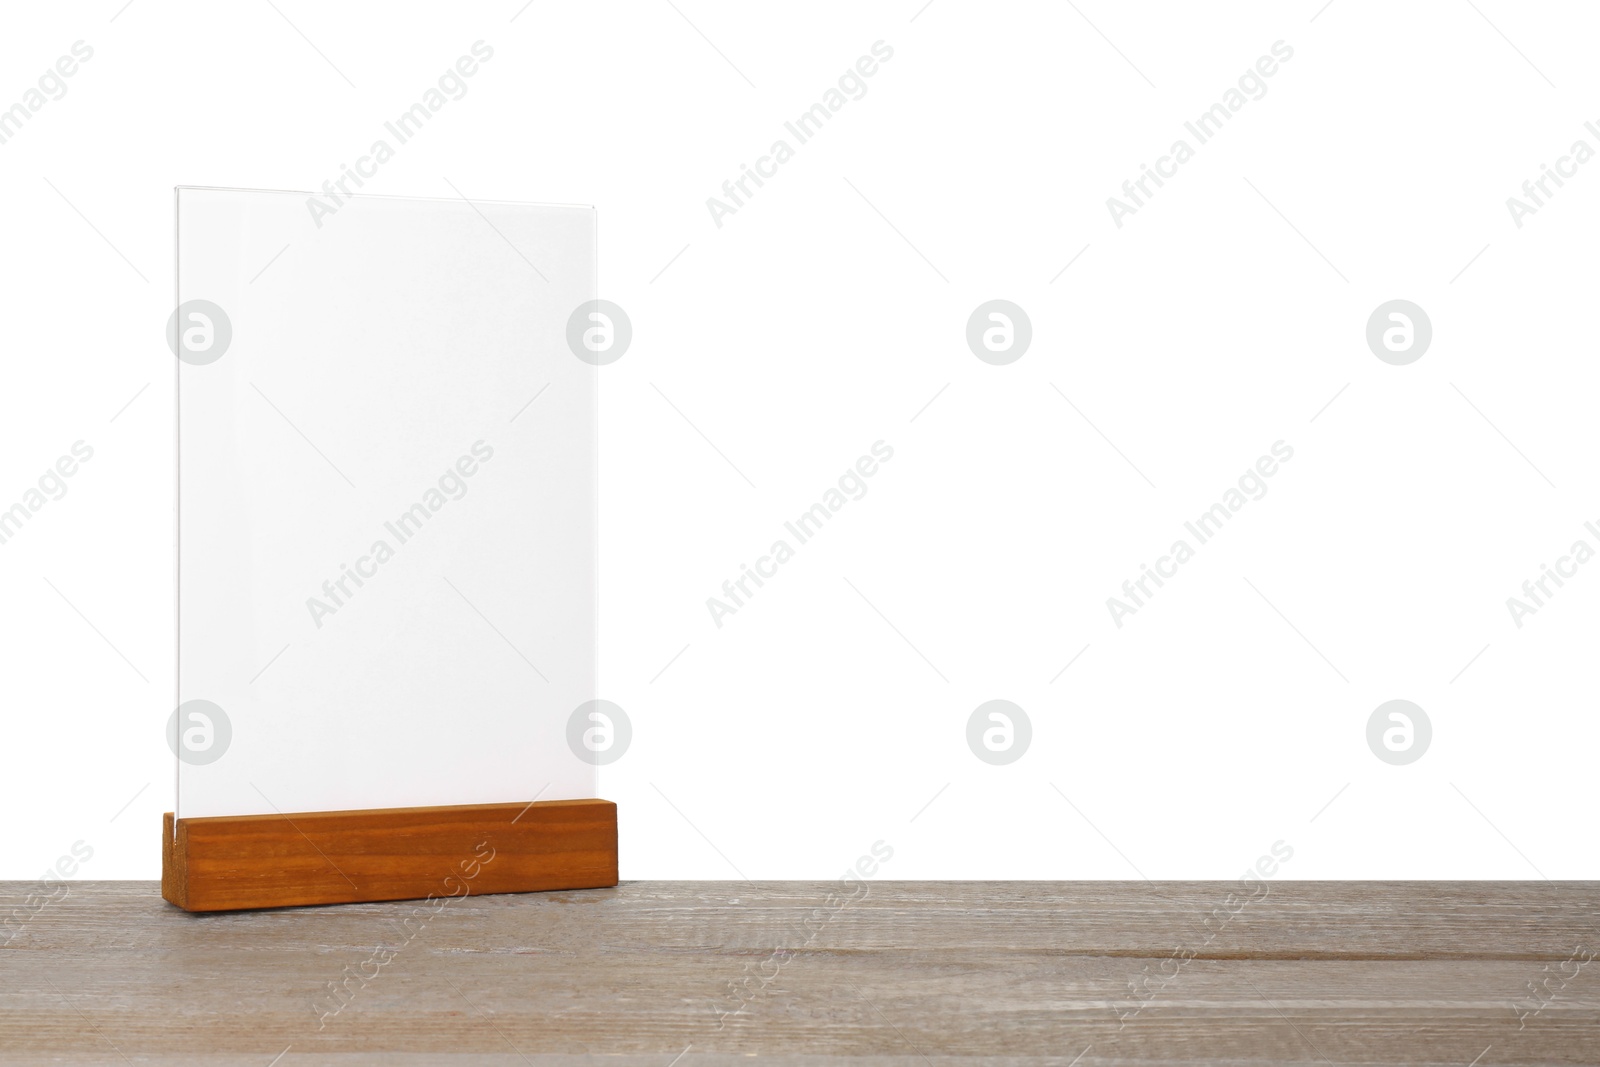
pixel 231 862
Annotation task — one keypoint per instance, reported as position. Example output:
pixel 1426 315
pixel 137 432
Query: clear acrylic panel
pixel 387 502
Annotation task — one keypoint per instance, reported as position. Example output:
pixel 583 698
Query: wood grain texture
pixel 908 974
pixel 269 861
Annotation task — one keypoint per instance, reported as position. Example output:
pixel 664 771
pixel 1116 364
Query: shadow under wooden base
pixel 233 862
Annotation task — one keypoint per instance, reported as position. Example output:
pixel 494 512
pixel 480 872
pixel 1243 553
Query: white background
pixel 830 313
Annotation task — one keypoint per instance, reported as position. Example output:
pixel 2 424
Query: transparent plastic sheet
pixel 387 500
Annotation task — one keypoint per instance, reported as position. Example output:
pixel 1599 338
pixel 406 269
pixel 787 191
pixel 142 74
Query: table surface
pixel 904 973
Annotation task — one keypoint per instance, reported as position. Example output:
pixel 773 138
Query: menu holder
pixel 386 536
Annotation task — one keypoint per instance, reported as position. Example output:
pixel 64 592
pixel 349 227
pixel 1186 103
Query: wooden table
pixel 904 973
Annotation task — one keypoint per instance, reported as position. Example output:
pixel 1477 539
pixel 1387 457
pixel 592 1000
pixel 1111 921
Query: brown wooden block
pixel 230 862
